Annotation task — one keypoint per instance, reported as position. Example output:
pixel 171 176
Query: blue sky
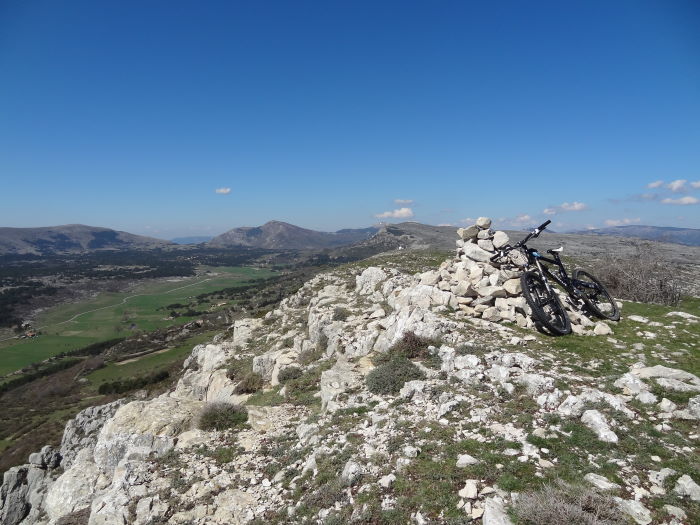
pixel 340 114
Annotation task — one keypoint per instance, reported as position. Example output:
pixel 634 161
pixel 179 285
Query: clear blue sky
pixel 131 114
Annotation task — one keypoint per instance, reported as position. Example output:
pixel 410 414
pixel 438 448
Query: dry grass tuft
pixel 563 504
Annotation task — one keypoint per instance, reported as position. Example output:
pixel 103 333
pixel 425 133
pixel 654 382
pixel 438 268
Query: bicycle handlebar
pixel 533 233
pixel 544 225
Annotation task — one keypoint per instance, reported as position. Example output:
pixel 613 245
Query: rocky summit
pixel 394 391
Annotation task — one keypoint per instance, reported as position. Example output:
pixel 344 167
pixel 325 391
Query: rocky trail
pixel 395 391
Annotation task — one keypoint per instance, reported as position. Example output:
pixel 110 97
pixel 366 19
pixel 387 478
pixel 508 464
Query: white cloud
pixel 401 213
pixel 622 222
pixel 565 206
pixel 695 184
pixel 223 191
pixel 518 221
pixel 683 201
pixel 403 202
pixel 523 219
pixel 574 206
pixel 677 185
pixel 655 184
pixel 468 220
pixel 445 224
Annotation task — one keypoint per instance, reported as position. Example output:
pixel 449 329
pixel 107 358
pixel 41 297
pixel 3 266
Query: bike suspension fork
pixel 544 276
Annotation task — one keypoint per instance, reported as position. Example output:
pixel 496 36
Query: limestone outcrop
pixel 492 404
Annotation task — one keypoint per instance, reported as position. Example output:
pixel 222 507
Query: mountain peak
pixel 279 235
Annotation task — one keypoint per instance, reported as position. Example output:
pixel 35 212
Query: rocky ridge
pixel 496 408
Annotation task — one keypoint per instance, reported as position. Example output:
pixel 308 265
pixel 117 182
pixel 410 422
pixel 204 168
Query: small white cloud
pixel 695 184
pixel 573 206
pixel 518 221
pixel 223 191
pixel 445 224
pixel 565 206
pixel 677 185
pixel 468 220
pixel 655 184
pixel 683 201
pixel 523 219
pixel 401 213
pixel 403 202
pixel 622 222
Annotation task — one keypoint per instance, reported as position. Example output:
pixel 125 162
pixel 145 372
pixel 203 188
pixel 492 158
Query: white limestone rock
pixel 686 487
pixel 476 253
pixel 600 482
pixel 483 223
pixel 500 239
pixel 367 282
pixel 141 428
pixel 597 422
pixel 635 510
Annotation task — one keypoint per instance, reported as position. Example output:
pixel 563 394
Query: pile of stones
pixel 492 290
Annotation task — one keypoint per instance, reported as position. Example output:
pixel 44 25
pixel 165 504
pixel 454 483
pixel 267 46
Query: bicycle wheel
pixel 546 306
pixel 596 297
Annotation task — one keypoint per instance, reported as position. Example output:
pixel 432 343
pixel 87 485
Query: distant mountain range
pixel 277 235
pixel 195 239
pixel 71 238
pixel 687 236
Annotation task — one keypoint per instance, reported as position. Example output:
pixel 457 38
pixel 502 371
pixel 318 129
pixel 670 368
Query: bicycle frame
pixel 562 279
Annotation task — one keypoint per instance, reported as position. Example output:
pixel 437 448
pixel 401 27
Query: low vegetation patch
pixel 410 346
pixel 222 416
pixel 249 384
pixel 291 372
pixel 562 504
pixel 389 377
pixel 645 278
pixel 126 385
pixel 341 314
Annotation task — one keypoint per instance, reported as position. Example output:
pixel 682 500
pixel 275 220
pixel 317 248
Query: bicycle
pixel 585 292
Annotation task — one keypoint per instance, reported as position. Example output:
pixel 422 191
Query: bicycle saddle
pixel 558 250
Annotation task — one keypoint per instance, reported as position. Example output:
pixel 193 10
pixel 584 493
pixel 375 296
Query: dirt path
pixel 120 363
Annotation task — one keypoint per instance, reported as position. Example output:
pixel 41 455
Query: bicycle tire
pixel 597 298
pixel 545 305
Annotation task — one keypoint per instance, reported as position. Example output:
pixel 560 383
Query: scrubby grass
pixel 289 373
pixel 303 389
pixel 410 346
pixel 221 455
pixel 562 504
pixel 222 416
pixel 249 384
pixel 389 377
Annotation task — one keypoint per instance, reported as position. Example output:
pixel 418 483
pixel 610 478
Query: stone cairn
pixel 492 290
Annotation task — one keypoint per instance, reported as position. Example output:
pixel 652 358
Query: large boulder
pixel 141 428
pixel 82 431
pixel 367 282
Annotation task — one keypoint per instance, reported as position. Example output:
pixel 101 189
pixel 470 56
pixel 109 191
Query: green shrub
pixel 291 372
pixel 410 346
pixel 389 377
pixel 341 314
pixel 251 383
pixel 222 416
pixel 238 368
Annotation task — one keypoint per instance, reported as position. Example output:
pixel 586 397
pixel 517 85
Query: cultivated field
pixel 110 315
